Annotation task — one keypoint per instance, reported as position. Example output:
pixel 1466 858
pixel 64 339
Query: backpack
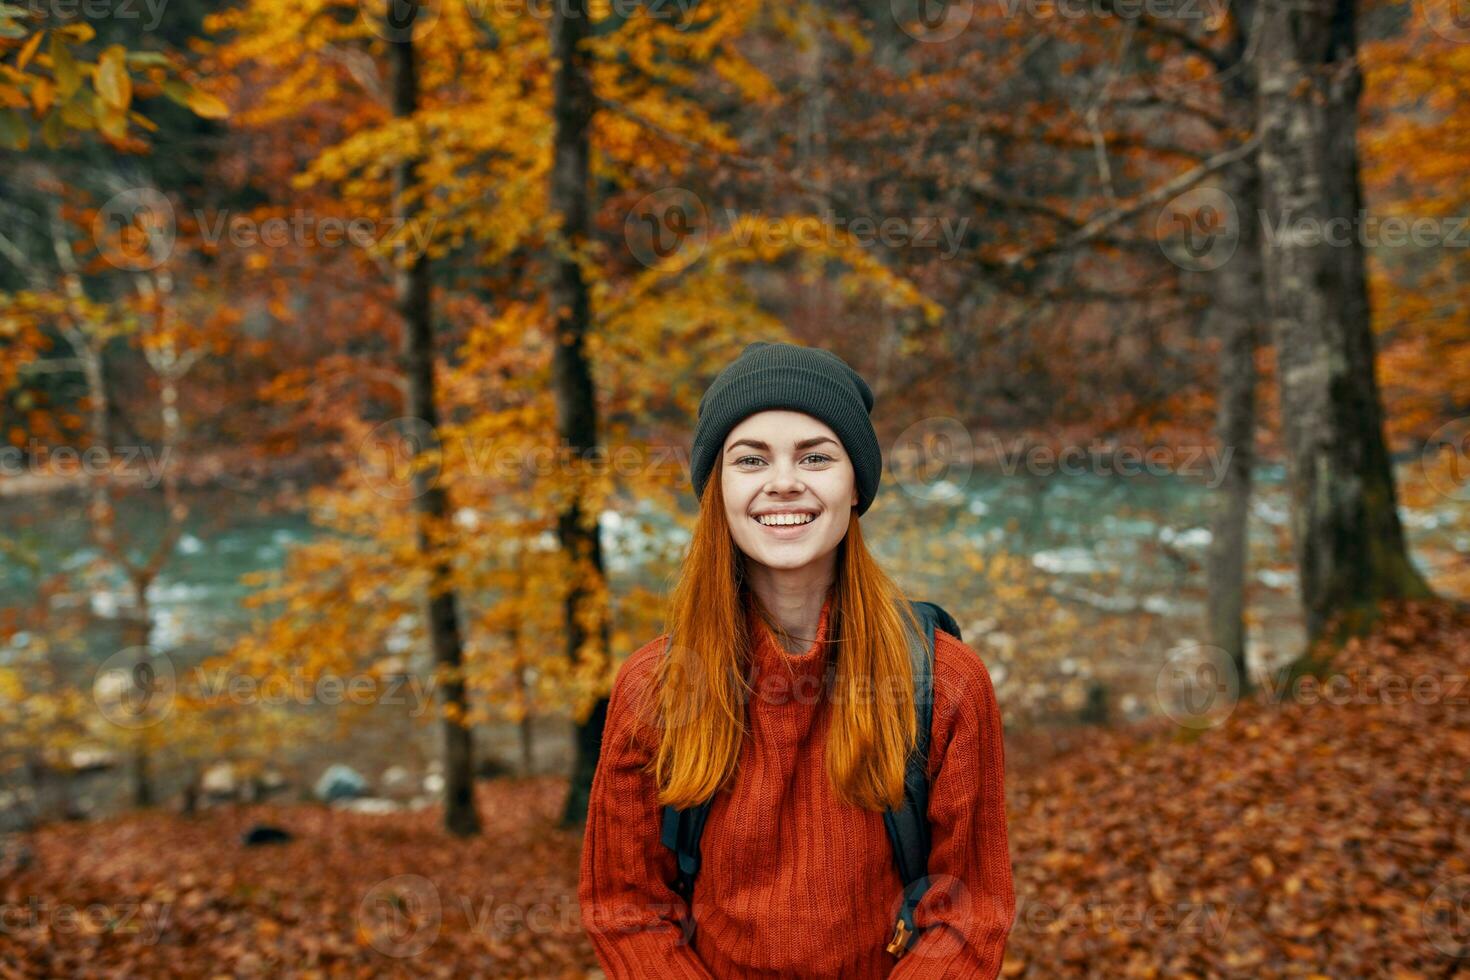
pixel 908 825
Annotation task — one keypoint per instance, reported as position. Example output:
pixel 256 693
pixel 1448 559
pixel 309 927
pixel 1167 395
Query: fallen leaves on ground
pixel 1326 839
pixel 353 895
pixel 1327 835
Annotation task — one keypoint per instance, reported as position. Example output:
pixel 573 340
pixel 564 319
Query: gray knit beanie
pixel 770 375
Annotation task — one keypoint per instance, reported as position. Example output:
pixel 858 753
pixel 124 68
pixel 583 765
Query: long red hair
pixel 700 687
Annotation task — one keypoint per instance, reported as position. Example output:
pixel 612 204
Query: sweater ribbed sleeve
pixel 967 913
pixel 632 916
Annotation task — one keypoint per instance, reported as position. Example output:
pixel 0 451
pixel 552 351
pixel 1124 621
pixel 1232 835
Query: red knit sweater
pixel 795 883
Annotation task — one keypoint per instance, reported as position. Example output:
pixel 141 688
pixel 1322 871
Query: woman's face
pixel 788 463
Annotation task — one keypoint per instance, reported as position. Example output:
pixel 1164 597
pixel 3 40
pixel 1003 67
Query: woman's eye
pixel 819 457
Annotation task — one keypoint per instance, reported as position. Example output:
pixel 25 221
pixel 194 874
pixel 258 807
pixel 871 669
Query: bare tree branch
pixel 1115 216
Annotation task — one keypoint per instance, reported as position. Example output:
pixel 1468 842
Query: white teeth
pixel 779 520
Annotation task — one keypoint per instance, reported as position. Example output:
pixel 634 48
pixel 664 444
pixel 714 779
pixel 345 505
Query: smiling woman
pixel 796 872
pixel 788 509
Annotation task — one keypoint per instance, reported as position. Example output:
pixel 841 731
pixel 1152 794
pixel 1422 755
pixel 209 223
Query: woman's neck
pixel 793 598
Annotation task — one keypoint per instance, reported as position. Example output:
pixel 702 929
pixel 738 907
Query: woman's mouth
pixel 785 525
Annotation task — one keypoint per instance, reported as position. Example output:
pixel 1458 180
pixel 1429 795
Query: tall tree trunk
pixel 526 728
pixel 1236 315
pixel 431 505
pixel 1349 545
pixel 1236 309
pixel 522 680
pixel 139 632
pixel 576 400
pixel 142 773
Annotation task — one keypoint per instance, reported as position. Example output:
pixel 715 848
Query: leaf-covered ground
pixel 1325 835
pixel 1327 839
pixel 354 895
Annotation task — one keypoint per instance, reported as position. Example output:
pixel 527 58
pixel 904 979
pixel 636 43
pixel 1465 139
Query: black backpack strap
pixel 908 826
pixel 942 619
pixel 680 833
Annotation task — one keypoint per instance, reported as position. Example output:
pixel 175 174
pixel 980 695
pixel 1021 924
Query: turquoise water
pixel 1106 547
pixel 196 598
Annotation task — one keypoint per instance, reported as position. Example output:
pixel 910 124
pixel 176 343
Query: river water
pixel 1115 563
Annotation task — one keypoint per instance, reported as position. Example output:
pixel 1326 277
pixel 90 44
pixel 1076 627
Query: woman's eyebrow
pixel 804 444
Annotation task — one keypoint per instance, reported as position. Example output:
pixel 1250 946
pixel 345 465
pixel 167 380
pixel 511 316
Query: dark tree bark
pixel 412 289
pixel 576 400
pixel 1236 315
pixel 1349 544
pixel 139 633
